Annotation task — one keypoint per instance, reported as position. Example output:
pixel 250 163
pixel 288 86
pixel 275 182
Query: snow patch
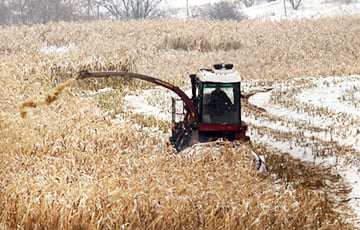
pixel 52 49
pixel 329 93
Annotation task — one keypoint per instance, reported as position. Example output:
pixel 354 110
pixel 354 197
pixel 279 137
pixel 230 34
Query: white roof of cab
pixel 219 75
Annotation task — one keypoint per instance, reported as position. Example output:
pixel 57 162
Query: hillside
pixel 277 10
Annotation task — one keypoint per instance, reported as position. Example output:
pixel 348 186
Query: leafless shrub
pixel 223 10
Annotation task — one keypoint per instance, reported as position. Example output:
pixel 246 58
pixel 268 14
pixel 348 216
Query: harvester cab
pixel 216 96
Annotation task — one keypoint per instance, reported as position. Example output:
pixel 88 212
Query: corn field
pixel 75 155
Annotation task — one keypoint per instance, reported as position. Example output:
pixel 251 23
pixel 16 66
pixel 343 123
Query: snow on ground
pixel 334 97
pixel 151 102
pixel 336 117
pixel 52 49
pixel 277 10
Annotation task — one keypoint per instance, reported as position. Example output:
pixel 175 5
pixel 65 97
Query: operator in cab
pixel 219 101
pixel 219 97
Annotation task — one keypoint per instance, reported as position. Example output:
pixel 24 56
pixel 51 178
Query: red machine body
pixel 216 97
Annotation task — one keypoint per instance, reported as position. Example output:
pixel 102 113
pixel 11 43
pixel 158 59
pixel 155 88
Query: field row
pixel 313 119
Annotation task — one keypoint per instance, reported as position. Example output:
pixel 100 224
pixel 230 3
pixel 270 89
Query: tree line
pixel 42 11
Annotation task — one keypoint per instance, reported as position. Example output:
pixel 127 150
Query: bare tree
pixel 220 11
pixel 85 9
pixel 5 14
pixel 125 9
pixel 295 4
pixel 40 11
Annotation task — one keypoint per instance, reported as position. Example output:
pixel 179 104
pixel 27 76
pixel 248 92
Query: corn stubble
pixel 65 163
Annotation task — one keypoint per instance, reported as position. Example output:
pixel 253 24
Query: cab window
pixel 220 104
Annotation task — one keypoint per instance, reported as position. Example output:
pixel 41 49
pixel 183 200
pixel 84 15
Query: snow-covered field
pixel 315 120
pixel 312 119
pixel 277 10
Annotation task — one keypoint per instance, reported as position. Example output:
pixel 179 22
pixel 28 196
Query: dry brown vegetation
pixel 66 162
